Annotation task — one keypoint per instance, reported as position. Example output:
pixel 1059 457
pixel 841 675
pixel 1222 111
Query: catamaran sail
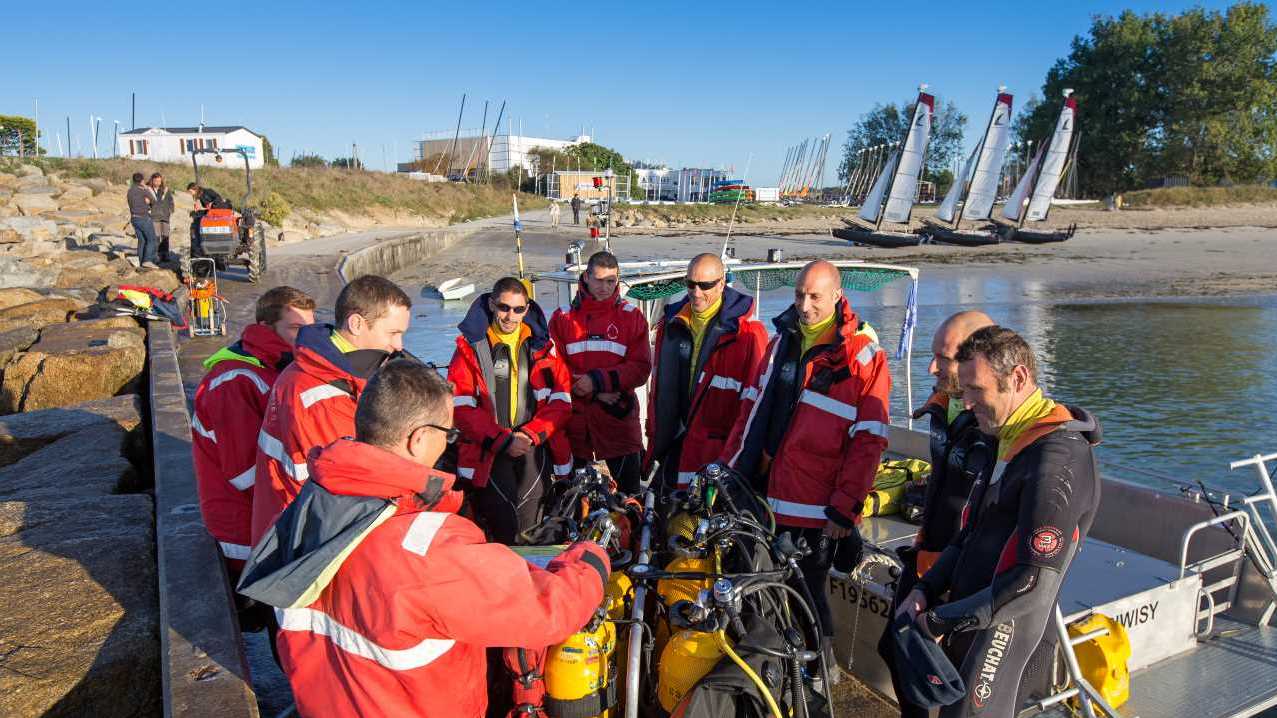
pixel 872 206
pixel 949 207
pixel 1015 203
pixel 904 187
pixel 984 183
pixel 1053 166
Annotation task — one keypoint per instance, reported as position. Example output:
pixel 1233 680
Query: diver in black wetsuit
pixel 960 453
pixel 1021 530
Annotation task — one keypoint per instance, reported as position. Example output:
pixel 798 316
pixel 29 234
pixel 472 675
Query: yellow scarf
pixel 342 344
pixel 955 407
pixel 815 333
pixel 1033 410
pixel 697 323
pixel 511 340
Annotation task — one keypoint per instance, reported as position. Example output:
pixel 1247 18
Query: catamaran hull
pixel 1031 236
pixel 967 238
pixel 889 240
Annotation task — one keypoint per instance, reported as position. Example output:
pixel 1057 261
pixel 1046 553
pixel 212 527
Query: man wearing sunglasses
pixel 604 341
pixel 815 426
pixel 512 401
pixel 387 599
pixel 707 345
pixel 313 401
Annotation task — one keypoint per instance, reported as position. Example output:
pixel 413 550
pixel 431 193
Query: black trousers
pixel 513 501
pixel 626 471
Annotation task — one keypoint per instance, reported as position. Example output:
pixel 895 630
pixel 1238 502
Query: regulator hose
pixel 753 677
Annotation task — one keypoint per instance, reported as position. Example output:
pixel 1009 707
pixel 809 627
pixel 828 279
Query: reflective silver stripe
pixel 563 469
pixel 596 345
pixel 350 641
pixel 246 373
pixel 684 478
pixel 236 551
pixel 465 472
pixel 750 394
pixel 627 307
pixel 274 449
pixel 753 410
pixel 866 354
pixel 724 382
pixel 829 404
pixel 561 396
pixel 319 393
pixel 198 427
pixel 422 531
pixel 877 428
pixel 802 511
pixel 541 394
pixel 246 479
pixel 464 401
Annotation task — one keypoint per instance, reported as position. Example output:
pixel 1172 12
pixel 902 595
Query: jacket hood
pixel 318 356
pixel 736 305
pixel 1068 418
pixel 351 468
pixel 258 344
pixel 475 325
pixel 1084 423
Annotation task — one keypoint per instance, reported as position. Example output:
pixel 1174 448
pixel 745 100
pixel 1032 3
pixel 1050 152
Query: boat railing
pixel 1080 684
pixel 1259 541
pixel 1233 555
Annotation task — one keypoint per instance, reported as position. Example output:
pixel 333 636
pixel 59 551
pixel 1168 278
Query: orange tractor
pixel 225 235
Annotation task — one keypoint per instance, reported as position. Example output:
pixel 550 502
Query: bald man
pixel 816 425
pixel 707 345
pixel 960 454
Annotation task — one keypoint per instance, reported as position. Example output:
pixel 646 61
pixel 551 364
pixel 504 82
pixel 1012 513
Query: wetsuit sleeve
pixel 637 365
pixel 1037 555
pixel 552 416
pixel 486 595
pixel 477 425
pixel 867 439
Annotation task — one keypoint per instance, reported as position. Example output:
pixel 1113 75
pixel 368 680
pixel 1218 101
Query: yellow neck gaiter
pixel 815 333
pixel 1034 409
pixel 511 340
pixel 954 408
pixel 698 322
pixel 343 346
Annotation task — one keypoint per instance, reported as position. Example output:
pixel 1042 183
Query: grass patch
pixel 1201 196
pixel 320 189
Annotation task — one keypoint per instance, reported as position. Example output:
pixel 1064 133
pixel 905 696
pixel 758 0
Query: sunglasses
pixel 703 286
pixel 503 307
pixel 450 434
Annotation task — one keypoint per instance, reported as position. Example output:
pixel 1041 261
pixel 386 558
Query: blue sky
pixel 691 84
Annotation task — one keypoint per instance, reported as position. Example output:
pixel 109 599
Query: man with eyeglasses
pixel 815 426
pixel 603 339
pixel 707 345
pixel 387 598
pixel 512 401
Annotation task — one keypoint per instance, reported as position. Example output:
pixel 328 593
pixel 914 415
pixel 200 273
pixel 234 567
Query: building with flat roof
pixel 474 151
pixel 689 184
pixel 174 144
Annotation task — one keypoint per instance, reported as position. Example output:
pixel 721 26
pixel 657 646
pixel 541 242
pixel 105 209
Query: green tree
pixel 346 163
pixel 309 160
pixel 268 153
pixel 17 136
pixel 886 124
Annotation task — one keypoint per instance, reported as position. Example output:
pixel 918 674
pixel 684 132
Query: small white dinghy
pixel 454 289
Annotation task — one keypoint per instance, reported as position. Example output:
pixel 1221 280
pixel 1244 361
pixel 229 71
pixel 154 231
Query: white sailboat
pixel 894 191
pixel 1040 181
pixel 979 181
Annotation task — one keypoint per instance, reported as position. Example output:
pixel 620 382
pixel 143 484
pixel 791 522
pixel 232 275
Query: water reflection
pixel 1181 387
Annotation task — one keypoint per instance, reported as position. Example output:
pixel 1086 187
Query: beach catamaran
pixel 1031 199
pixel 1185 572
pixel 973 192
pixel 892 195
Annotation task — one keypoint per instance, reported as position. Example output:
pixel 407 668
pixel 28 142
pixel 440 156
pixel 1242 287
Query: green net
pixel 856 279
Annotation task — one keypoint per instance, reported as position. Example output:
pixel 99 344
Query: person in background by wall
pixel 161 212
pixel 576 209
pixel 554 215
pixel 140 199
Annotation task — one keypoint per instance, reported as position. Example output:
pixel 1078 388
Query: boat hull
pixel 890 240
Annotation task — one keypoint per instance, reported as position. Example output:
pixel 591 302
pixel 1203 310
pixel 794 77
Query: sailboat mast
pixel 978 156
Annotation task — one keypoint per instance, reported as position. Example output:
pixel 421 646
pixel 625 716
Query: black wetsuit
pixel 959 454
pixel 1004 570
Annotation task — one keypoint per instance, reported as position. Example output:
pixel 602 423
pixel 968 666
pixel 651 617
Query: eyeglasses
pixel 450 434
pixel 503 307
pixel 703 286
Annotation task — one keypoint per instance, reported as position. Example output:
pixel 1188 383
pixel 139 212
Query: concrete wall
pixel 390 256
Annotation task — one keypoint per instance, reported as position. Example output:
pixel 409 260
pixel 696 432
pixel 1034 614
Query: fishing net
pixel 856 279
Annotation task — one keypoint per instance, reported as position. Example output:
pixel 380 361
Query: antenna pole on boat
pixel 722 253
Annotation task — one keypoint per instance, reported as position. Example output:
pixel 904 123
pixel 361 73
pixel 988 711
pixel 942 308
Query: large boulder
pixel 79 634
pixel 51 310
pixel 32 204
pixel 96 184
pixel 93 459
pixel 16 272
pixel 28 188
pixel 75 364
pixel 21 434
pixel 29 171
pixel 12 297
pixel 15 341
pixel 74 193
pixel 31 228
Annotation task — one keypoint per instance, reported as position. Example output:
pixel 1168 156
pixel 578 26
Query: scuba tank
pixel 685 660
pixel 580 673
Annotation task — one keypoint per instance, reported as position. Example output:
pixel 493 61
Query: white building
pixel 690 184
pixel 174 144
pixel 473 151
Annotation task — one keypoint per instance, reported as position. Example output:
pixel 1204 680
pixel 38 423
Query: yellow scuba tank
pixel 1103 658
pixel 582 669
pixel 687 657
pixel 671 590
